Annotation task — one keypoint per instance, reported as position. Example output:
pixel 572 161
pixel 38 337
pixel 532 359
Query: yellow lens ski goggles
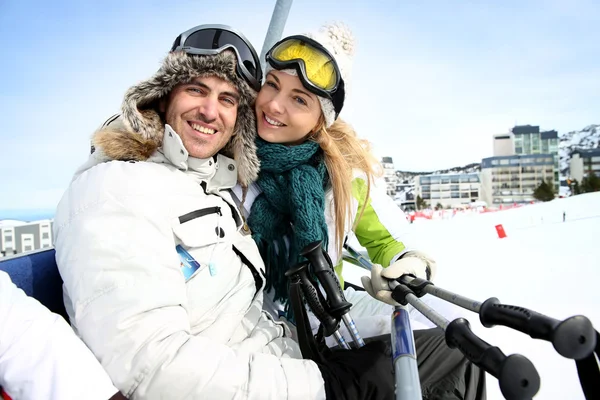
pixel 316 67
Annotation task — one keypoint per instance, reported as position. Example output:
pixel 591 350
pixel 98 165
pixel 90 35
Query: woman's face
pixel 286 112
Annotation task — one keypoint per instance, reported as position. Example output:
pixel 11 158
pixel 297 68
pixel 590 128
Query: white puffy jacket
pixel 158 335
pixel 40 356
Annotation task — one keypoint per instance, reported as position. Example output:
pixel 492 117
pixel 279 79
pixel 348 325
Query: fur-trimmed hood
pixel 142 129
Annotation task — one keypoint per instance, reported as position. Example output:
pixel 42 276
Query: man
pixel 159 279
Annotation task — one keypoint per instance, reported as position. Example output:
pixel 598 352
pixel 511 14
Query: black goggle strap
pixel 241 66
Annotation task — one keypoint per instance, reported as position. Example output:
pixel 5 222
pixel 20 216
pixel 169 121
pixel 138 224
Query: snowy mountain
pixel 587 138
pixel 408 176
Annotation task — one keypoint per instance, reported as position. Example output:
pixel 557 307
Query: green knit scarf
pixel 291 205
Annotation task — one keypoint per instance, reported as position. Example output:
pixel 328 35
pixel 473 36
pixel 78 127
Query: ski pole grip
pixel 338 306
pixel 313 297
pixel 573 338
pixel 516 375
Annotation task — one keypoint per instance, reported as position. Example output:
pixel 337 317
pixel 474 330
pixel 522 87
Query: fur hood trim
pixel 142 129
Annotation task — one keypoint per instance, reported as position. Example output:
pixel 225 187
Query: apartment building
pixel 512 179
pixel 20 237
pixel 448 189
pixel 584 161
pixel 528 139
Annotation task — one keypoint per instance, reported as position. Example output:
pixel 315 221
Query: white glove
pixel 412 263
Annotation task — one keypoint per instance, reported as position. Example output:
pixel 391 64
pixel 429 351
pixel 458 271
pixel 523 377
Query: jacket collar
pixel 116 143
pixel 219 172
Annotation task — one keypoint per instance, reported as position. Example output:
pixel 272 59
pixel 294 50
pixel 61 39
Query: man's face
pixel 203 113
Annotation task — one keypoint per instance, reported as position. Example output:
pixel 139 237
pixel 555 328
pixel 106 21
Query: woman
pixel 316 183
pixel 318 176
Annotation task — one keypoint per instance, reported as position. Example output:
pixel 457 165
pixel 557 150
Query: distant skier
pixel 564 216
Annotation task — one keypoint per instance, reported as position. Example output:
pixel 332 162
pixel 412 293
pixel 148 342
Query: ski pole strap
pixel 589 373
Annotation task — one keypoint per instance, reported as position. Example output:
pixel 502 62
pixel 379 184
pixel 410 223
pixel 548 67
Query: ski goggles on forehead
pixel 316 67
pixel 214 39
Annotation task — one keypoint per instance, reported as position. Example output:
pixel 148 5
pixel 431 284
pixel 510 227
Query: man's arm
pixel 40 355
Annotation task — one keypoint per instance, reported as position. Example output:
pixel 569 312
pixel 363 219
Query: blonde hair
pixel 344 152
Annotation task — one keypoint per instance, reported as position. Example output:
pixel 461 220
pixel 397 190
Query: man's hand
pixel 414 263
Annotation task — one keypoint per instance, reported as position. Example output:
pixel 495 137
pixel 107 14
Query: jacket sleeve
pixel 40 355
pixel 383 225
pixel 121 273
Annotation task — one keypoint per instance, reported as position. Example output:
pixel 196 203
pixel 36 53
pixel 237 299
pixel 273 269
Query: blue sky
pixel 431 81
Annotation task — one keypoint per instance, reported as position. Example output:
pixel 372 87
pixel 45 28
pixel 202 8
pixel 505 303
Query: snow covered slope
pixel 544 264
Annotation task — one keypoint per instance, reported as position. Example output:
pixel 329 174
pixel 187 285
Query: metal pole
pixel 424 309
pixel 450 297
pixel 278 19
pixel 404 357
pixel 341 341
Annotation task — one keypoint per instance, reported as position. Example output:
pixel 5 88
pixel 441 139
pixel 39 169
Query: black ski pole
pixel 314 298
pixel 574 337
pixel 517 377
pixel 338 306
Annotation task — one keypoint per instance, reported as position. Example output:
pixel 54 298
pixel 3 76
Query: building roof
pixel 5 223
pixel 524 129
pixel 549 135
pixel 587 152
pixel 538 159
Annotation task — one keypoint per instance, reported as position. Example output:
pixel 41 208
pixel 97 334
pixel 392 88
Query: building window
pixel 454 195
pixel 455 179
pixel 435 180
pixel 425 180
pixel 45 235
pixel 425 188
pixel 426 196
pixel 464 195
pixel 474 194
pixel 27 242
pixel 445 180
